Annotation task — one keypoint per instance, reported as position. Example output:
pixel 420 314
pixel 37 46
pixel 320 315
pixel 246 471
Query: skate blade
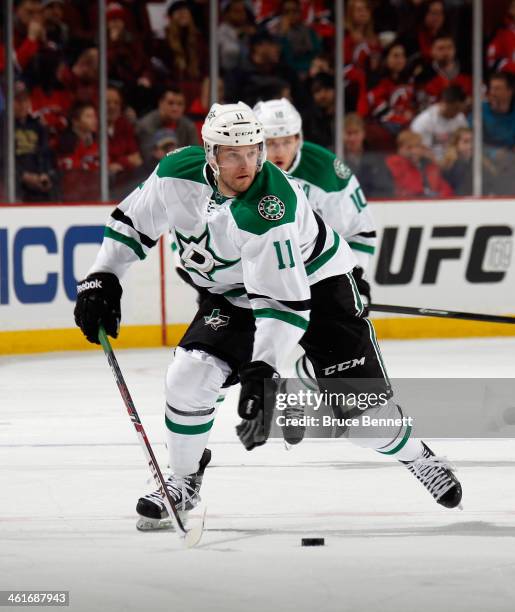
pixel 165 524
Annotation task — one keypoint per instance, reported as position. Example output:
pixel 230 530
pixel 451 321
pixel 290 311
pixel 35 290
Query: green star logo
pixel 216 320
pixel 271 208
pixel 198 256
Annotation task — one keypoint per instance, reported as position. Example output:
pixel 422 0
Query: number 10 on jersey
pixel 281 250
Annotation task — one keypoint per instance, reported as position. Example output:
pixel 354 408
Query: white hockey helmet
pixel 233 125
pixel 279 118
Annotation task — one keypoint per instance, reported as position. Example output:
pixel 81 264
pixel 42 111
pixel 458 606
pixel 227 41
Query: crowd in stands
pixel 408 130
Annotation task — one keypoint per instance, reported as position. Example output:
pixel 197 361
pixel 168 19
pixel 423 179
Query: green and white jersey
pixel 261 250
pixel 335 194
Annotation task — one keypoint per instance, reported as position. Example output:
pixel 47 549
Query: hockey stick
pixel 446 314
pixel 192 536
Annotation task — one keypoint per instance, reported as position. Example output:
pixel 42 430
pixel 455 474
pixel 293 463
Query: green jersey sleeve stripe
pixel 130 242
pixel 287 317
pixel 324 257
pixel 366 248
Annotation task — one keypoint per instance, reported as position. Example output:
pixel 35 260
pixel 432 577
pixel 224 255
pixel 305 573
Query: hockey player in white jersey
pixel 274 276
pixel 333 192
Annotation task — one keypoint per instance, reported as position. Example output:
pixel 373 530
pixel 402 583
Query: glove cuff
pixel 105 281
pixel 257 369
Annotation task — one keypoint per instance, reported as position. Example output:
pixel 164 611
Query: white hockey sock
pixel 394 441
pixel 193 391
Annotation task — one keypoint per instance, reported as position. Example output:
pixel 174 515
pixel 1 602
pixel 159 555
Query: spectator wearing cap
pixel 78 155
pixel 35 169
pixel 236 28
pixel 126 59
pixel 169 114
pixel 300 44
pixel 369 167
pixel 438 122
pixel 261 72
pixel 124 155
pixel 183 53
pixel 501 50
pixel 163 142
pixel 414 173
pixel 442 71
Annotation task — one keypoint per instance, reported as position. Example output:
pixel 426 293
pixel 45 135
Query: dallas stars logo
pixel 216 320
pixel 341 170
pixel 271 208
pixel 199 257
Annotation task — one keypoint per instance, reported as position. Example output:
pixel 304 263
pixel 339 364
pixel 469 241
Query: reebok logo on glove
pixel 93 284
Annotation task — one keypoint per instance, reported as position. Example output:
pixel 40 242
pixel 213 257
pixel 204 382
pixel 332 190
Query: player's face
pixel 282 151
pixel 238 168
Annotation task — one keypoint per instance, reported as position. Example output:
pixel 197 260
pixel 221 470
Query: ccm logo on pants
pixel 346 365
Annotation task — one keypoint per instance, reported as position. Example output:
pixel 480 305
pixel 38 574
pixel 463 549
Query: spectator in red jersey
pixel 392 101
pixel 82 79
pixel 27 13
pixel 124 155
pixel 370 170
pixel 299 43
pixel 125 55
pixel 78 155
pixel 415 175
pixel 50 100
pixel 26 46
pixel 420 26
pixel 234 34
pixel 183 54
pixel 362 46
pixel 35 170
pixel 169 114
pixel 501 51
pixel 443 71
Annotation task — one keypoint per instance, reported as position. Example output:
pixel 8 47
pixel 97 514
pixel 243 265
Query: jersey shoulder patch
pixel 322 168
pixel 186 163
pixel 270 201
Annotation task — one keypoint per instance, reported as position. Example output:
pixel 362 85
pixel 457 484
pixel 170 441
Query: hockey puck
pixel 312 542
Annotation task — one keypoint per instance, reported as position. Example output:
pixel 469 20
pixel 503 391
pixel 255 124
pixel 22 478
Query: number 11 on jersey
pixel 279 253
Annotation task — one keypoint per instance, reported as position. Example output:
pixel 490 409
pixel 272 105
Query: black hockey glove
pixel 363 288
pixel 98 303
pixel 256 405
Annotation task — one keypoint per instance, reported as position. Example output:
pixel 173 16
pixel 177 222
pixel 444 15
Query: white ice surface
pixel 71 470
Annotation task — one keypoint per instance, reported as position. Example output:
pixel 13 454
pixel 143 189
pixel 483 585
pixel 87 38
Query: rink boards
pixel 440 254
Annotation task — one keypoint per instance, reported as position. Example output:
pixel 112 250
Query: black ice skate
pixel 183 490
pixel 436 474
